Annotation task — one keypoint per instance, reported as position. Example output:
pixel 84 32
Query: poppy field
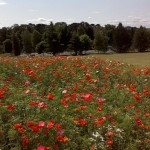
pixel 73 103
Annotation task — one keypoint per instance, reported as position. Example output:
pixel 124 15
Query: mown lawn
pixel 139 59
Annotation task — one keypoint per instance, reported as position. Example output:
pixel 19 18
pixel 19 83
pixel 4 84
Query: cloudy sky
pixel 129 12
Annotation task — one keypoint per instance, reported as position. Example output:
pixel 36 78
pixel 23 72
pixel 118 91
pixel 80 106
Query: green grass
pixel 139 59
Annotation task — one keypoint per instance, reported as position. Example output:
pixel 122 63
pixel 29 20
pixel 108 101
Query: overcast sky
pixel 129 12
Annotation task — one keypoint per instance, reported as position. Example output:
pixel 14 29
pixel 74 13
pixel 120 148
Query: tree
pixel 85 42
pixel 100 40
pixel 81 30
pixel 122 39
pixel 63 35
pixel 7 46
pixel 40 47
pixel 3 35
pixel 16 44
pixel 141 40
pixel 36 38
pixel 75 43
pixel 26 41
pixel 51 39
pixel 110 30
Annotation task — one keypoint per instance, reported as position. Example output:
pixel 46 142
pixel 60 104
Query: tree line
pixel 76 37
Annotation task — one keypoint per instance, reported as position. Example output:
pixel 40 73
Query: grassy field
pixel 140 59
pixel 73 103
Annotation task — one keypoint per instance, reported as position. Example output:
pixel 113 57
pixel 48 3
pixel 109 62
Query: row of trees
pixel 77 37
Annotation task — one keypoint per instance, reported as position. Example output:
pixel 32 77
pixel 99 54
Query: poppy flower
pixel 50 96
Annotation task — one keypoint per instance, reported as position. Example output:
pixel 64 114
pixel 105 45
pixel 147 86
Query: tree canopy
pixel 77 37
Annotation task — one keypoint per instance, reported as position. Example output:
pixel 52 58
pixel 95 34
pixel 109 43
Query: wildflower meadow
pixel 73 103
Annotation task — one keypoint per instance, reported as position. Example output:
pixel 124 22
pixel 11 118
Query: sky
pixel 129 12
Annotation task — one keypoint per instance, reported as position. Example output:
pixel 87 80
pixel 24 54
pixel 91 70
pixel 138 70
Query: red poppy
pixel 10 107
pixel 50 96
pixel 17 126
pixel 50 124
pixel 109 142
pixel 32 103
pixel 138 121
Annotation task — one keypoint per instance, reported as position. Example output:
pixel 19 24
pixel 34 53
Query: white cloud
pixel 39 20
pixel 96 12
pixel 2 3
pixel 131 21
pixel 33 10
pixel 89 17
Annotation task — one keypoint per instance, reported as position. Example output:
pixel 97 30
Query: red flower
pixel 25 142
pixel 82 122
pixel 50 124
pixel 10 107
pixel 42 105
pixel 137 121
pixel 41 148
pixel 83 107
pixel 88 76
pixel 41 124
pixel 1 95
pixel 45 131
pixel 30 124
pixel 58 126
pixel 50 96
pixel 17 126
pixel 99 109
pixel 109 133
pixel 21 130
pixel 27 83
pixel 35 129
pixel 59 138
pixel 109 142
pixel 64 101
pixel 32 103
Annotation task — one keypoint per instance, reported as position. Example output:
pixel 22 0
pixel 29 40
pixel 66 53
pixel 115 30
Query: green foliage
pixel 60 37
pixel 16 44
pixel 26 41
pixel 36 38
pixel 3 35
pixel 73 103
pixel 85 41
pixel 63 35
pixel 141 39
pixel 1 49
pixel 100 40
pixel 50 36
pixel 40 47
pixel 122 39
pixel 74 43
pixel 7 46
pixel 81 30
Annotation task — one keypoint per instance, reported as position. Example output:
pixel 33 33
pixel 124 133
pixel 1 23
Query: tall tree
pixel 141 39
pixel 74 43
pixel 63 35
pixel 100 40
pixel 3 35
pixel 7 46
pixel 40 47
pixel 51 39
pixel 26 41
pixel 86 42
pixel 36 38
pixel 122 39
pixel 16 44
pixel 110 31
